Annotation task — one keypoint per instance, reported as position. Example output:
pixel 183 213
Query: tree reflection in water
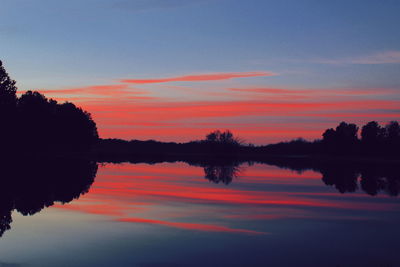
pixel 372 178
pixel 346 176
pixel 30 186
pixel 222 173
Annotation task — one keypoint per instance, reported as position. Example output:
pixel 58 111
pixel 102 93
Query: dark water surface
pixel 174 214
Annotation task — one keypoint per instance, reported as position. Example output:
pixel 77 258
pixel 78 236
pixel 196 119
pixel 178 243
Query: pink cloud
pixel 202 77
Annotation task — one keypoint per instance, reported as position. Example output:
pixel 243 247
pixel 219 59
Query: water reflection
pixel 143 214
pixel 30 186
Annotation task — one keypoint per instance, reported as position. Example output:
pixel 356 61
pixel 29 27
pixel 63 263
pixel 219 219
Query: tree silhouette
pixel 34 124
pixel 372 133
pixel 393 138
pixel 347 133
pixel 8 90
pixel 342 140
pixel 393 132
pixel 54 126
pixel 7 109
pixel 372 137
pixel 75 127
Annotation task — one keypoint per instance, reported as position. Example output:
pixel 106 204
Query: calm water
pixel 174 214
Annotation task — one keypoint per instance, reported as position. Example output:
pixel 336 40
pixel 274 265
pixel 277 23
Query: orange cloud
pixel 201 77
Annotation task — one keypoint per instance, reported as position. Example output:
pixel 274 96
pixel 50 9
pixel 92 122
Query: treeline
pixel 215 144
pixel 34 124
pixel 346 140
pixel 375 139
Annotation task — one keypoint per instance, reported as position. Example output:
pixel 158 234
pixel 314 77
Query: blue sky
pixel 309 44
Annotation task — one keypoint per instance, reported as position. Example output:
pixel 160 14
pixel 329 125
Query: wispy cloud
pixel 113 90
pixel 202 77
pixel 386 57
pixel 270 90
pixel 318 92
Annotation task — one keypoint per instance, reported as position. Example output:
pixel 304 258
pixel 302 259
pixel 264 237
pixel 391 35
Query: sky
pixel 174 70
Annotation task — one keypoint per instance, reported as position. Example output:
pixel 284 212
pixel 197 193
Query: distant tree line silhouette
pixel 33 123
pixel 345 140
pixel 215 144
pixel 375 139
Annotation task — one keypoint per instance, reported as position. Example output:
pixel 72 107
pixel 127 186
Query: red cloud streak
pixel 163 120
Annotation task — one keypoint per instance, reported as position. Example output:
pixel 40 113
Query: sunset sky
pixel 173 70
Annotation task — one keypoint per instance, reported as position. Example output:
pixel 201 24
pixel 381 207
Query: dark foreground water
pixel 173 214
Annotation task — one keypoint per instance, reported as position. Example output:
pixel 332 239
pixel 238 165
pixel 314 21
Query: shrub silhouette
pixel 225 137
pixel 34 124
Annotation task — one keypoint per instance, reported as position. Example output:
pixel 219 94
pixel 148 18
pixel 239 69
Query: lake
pixel 176 214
